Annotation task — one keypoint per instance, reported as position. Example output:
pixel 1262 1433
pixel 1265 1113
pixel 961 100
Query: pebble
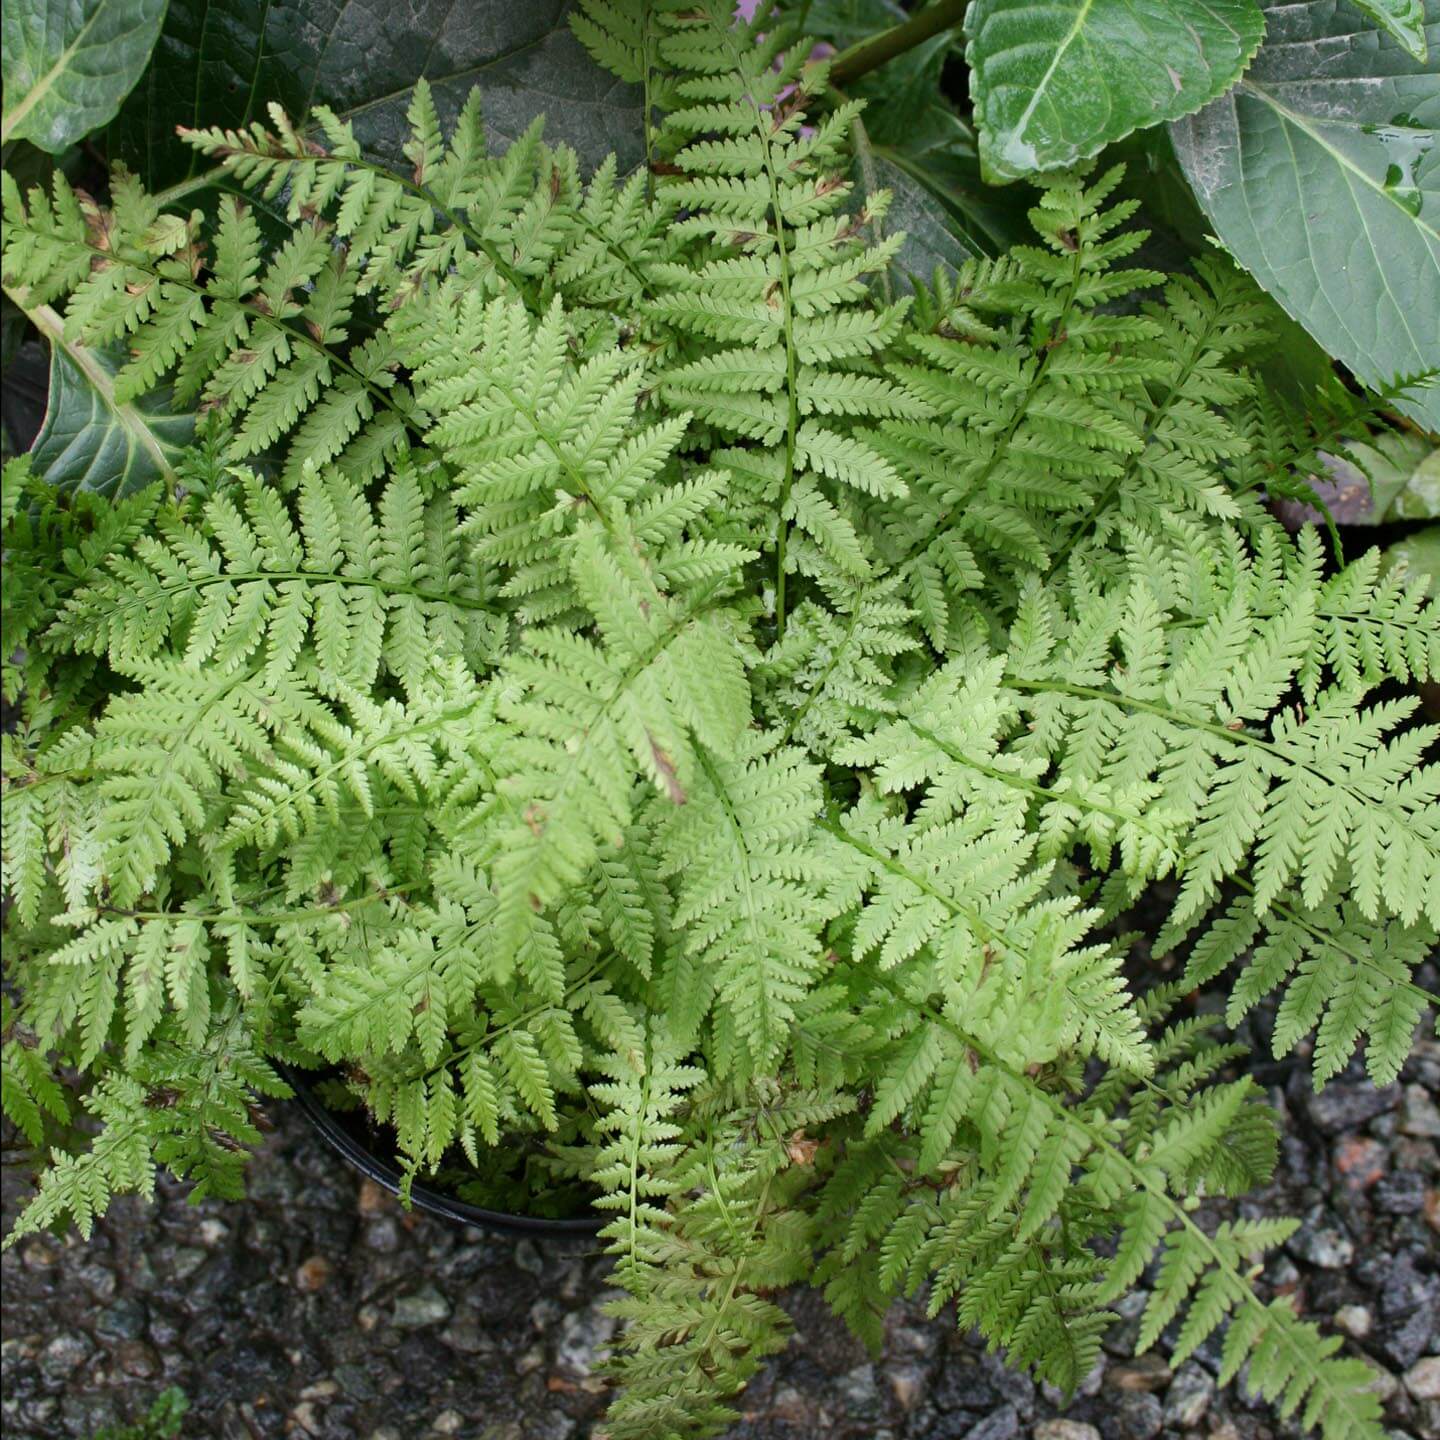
pixel 425 1307
pixel 584 1336
pixel 448 1422
pixel 1419 1115
pixel 1138 1416
pixel 1422 1379
pixel 312 1275
pixel 1402 1193
pixel 860 1393
pixel 137 1358
pixel 1361 1161
pixel 1065 1430
pixel 122 1320
pixel 62 1355
pixel 1355 1320
pixel 373 1199
pixel 383 1234
pixel 1002 1424
pixel 1145 1372
pixel 1323 1241
pixel 1347 1106
pixel 907 1384
pixel 1189 1397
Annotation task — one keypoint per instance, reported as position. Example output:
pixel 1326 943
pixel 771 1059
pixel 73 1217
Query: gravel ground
pixel 319 1308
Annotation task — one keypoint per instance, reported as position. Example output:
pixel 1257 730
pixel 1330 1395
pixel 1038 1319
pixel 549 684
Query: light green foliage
pixel 655 703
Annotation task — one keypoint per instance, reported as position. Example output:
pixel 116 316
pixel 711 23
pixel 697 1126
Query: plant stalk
pixel 878 50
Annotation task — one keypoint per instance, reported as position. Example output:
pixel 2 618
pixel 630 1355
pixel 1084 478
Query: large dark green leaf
pixel 69 63
pixel 1321 174
pixel 219 62
pixel 1054 81
pixel 89 441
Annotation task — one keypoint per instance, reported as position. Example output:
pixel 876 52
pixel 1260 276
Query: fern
pixel 655 712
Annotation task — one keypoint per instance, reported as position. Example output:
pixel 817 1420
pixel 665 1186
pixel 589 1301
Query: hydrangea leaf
pixel 1056 81
pixel 69 64
pixel 1321 175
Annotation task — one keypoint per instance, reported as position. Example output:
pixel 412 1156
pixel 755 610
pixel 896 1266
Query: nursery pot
pixel 348 1141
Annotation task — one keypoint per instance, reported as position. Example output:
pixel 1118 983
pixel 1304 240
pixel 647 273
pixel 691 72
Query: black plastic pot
pixel 348 1144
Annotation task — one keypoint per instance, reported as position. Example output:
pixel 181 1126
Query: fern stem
pixel 1032 787
pixel 512 277
pixel 293 332
pixel 999 454
pixel 819 687
pixel 261 917
pixel 314 577
pixel 1358 957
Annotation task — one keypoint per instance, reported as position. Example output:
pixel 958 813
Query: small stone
pixel 1065 1430
pixel 505 1430
pixel 1340 1106
pixel 312 1275
pixel 62 1355
pixel 1384 1384
pixel 1145 1372
pixel 383 1234
pixel 37 1255
pixel 1402 1193
pixel 367 1317
pixel 99 1281
pixel 354 1380
pixel 305 1419
pixel 185 1261
pixel 1224 1430
pixel 448 1422
pixel 1422 1379
pixel 124 1320
pixel 527 1258
pixel 466 1337
pixel 861 1395
pixel 1002 1424
pixel 1419 1115
pixel 528 1360
pixel 373 1199
pixel 1189 1397
pixel 1409 1308
pixel 425 1307
pixel 584 1335
pixel 1355 1320
pixel 1432 1209
pixel 1323 1241
pixel 1138 1416
pixel 137 1358
pixel 213 1233
pixel 1360 1160
pixel 962 1385
pixel 907 1384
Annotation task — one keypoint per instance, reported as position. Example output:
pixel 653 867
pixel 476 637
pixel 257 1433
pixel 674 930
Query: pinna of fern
pixel 713 744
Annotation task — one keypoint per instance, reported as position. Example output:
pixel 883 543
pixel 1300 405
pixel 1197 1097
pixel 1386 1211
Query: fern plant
pixel 657 698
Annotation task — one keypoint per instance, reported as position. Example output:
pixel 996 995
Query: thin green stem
pixel 877 50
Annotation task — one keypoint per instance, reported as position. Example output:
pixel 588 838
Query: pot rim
pixel 422 1197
